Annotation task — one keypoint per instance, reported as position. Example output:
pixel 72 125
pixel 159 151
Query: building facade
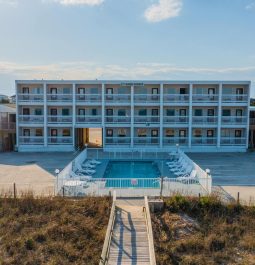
pixel 252 128
pixel 132 115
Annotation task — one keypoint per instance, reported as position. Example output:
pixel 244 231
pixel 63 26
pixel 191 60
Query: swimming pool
pixel 132 174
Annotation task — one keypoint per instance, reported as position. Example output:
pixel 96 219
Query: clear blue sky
pixel 126 39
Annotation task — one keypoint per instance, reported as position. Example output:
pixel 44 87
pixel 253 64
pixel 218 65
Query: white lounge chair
pixel 184 171
pixel 79 176
pixel 87 165
pixel 191 176
pixel 93 161
pixel 86 171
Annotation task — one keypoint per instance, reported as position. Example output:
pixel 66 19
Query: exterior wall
pixel 163 125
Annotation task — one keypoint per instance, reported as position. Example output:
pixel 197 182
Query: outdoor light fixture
pixel 57 171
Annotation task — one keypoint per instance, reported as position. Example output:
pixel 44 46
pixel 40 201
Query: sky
pixel 126 39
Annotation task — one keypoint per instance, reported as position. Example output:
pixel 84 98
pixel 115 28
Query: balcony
pixel 146 119
pixel 204 120
pixel 88 119
pixel 176 98
pixel 233 141
pixel 117 119
pixel 234 98
pixel 31 140
pixel 233 120
pixel 176 119
pixel 204 141
pixel 31 119
pixel 118 140
pixel 205 98
pixel 146 98
pixel 175 140
pixel 89 98
pixel 146 140
pixel 60 119
pixel 252 121
pixel 60 140
pixel 30 98
pixel 121 98
pixel 8 126
pixel 59 97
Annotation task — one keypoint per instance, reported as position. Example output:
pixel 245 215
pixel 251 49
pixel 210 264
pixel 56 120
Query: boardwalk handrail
pixel 149 231
pixel 108 235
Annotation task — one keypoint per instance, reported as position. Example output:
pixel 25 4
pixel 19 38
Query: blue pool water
pixel 137 174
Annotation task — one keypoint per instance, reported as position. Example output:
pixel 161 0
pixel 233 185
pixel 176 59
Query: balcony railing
pixel 146 119
pixel 31 118
pixel 176 119
pixel 234 98
pixel 233 141
pixel 174 98
pixel 175 140
pixel 146 98
pixel 60 119
pixel 118 140
pixel 31 140
pixel 234 120
pixel 60 97
pixel 204 120
pixel 120 98
pixel 11 126
pixel 93 98
pixel 117 119
pixel 146 140
pixel 60 140
pixel 88 119
pixel 205 98
pixel 30 97
pixel 252 121
pixel 204 141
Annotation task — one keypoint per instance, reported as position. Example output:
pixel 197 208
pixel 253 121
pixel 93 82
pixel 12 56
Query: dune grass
pixel 204 231
pixel 59 231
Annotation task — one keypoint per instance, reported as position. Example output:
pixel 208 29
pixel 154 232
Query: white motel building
pixel 132 115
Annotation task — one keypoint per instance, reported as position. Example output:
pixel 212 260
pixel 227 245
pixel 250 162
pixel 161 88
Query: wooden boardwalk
pixel 129 243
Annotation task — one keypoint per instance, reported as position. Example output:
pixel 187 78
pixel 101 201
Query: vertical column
pixel 219 116
pixel 161 116
pixel 45 133
pixel 17 114
pixel 132 118
pixel 190 114
pixel 103 112
pixel 248 115
pixel 74 114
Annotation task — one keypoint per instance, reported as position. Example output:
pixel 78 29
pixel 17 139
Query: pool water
pixel 137 174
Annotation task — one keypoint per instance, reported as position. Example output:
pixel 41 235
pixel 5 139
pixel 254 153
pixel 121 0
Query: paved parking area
pixel 31 171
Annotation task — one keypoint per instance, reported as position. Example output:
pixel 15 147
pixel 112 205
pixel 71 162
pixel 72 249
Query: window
pixel 94 90
pixel 226 112
pixel 65 112
pixel 25 90
pixel 142 132
pixel 109 112
pixel 121 112
pixel 182 112
pixel 211 91
pixel 66 90
pixel 154 91
pixel 53 112
pixel 38 132
pixel 225 133
pixel 142 112
pixel 26 111
pixel 170 112
pixel 122 132
pixel 81 90
pixel 81 112
pixel 239 112
pixel 154 133
pixel 198 112
pixel 182 133
pixel 239 91
pixel 210 133
pixel 210 112
pixel 66 133
pixel 94 112
pixel 169 133
pixel 37 90
pixel 54 132
pixel 53 90
pixel 38 111
pixel 182 90
pixel 26 132
pixel 109 132
pixel 197 133
pixel 109 90
pixel 154 112
pixel 238 133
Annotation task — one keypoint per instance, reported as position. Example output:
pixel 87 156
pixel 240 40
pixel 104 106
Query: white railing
pixel 88 119
pixel 233 141
pixel 118 140
pixel 234 120
pixel 146 140
pixel 31 140
pixel 60 97
pixel 204 141
pixel 60 140
pixel 59 119
pixel 30 98
pixel 146 98
pixel 205 98
pixel 146 119
pixel 205 120
pixel 89 98
pixel 176 98
pixel 234 98
pixel 118 98
pixel 175 140
pixel 31 118
pixel 119 119
pixel 7 125
pixel 176 119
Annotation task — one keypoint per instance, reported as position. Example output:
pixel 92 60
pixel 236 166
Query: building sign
pixel 132 84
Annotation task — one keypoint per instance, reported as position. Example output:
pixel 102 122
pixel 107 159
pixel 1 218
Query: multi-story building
pixel 135 115
pixel 252 128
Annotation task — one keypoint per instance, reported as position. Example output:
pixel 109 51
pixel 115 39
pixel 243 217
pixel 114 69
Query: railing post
pixel 14 191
